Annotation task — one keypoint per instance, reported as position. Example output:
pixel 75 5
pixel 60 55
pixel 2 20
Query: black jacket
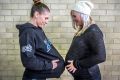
pixel 87 51
pixel 37 52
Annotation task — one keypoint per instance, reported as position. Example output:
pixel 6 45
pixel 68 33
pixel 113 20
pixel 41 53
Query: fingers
pixel 56 60
pixel 70 61
pixel 74 70
pixel 54 63
pixel 71 69
pixel 68 65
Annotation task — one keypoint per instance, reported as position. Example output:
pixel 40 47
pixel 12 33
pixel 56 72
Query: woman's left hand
pixel 70 67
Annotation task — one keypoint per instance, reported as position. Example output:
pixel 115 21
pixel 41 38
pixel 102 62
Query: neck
pixel 33 21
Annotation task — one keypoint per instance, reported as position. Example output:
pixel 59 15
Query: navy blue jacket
pixel 37 52
pixel 87 51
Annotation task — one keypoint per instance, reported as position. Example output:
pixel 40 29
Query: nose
pixel 45 22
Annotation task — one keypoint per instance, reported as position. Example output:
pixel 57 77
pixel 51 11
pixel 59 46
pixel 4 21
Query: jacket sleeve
pixel 97 48
pixel 28 57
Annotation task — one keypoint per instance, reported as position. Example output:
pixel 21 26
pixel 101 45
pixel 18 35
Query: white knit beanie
pixel 84 7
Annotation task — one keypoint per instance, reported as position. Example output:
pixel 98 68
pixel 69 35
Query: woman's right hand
pixel 55 63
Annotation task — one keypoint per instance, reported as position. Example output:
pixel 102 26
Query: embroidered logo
pixel 48 45
pixel 27 48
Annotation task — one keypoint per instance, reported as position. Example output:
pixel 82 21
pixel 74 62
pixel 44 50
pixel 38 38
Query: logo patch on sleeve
pixel 27 48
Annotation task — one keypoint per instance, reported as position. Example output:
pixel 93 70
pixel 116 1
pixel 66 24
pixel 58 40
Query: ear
pixel 36 14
